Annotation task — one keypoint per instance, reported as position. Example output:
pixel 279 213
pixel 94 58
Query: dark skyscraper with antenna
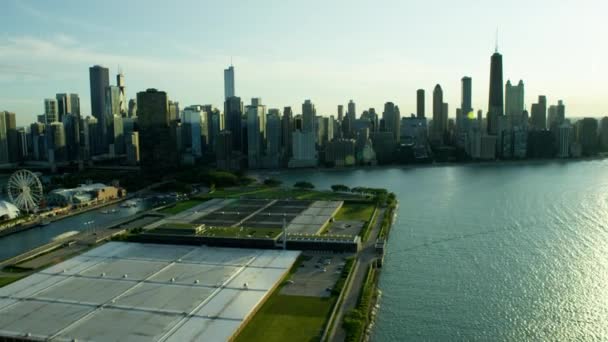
pixel 496 101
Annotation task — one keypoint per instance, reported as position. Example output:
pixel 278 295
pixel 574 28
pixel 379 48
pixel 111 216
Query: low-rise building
pixel 85 194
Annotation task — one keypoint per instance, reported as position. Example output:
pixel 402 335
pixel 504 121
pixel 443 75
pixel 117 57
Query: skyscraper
pixel 340 112
pixel 496 103
pixel 50 111
pixel 308 116
pixel 12 136
pixel 112 103
pixel 229 83
pixel 233 113
pixel 99 79
pixel 122 96
pixel 514 104
pixel 538 115
pixel 67 104
pixel 465 102
pixel 439 124
pixel 287 128
pixel 132 108
pixel 158 145
pixel 392 120
pixel 420 104
pixel 273 139
pixel 4 145
pixel 256 131
pixel 352 111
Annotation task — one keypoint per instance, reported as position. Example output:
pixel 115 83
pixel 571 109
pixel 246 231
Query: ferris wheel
pixel 24 190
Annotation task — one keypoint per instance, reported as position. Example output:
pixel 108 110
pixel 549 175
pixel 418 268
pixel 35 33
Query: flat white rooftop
pixel 143 292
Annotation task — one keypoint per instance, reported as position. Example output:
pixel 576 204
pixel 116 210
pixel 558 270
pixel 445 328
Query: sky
pixel 287 51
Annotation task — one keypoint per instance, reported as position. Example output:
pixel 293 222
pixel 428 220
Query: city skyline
pixel 37 66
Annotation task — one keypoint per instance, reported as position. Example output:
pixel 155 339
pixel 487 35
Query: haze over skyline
pixel 288 52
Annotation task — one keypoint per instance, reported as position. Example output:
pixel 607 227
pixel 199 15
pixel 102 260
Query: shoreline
pixel 517 162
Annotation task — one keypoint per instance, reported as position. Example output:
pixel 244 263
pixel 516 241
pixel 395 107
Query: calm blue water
pixel 492 252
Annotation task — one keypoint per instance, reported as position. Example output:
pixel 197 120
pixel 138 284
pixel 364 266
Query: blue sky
pixel 288 51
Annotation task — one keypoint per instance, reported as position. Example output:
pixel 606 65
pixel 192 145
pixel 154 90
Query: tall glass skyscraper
pixel 229 82
pixel 496 101
pixel 99 79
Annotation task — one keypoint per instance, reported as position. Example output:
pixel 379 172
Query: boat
pixel 44 223
pixel 109 211
pixel 65 235
pixel 129 204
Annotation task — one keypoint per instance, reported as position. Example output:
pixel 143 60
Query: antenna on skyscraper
pixel 496 42
pixel 231 61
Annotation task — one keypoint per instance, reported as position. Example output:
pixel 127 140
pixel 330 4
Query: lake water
pixel 491 252
pixel 18 243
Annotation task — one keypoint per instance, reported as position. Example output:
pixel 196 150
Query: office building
pixel 308 116
pixel 229 82
pixel 392 120
pixel 12 136
pixel 99 80
pixel 287 128
pixel 67 104
pixel 71 125
pixel 496 103
pixel 132 147
pixel 4 147
pixel 233 115
pixel 271 157
pixel 352 111
pixel 256 132
pixel 51 112
pixel 603 134
pixel 340 112
pixel 192 127
pixel 440 124
pixel 122 96
pixel 587 136
pixel 158 145
pixel 57 146
pixel 564 138
pixel 304 152
pixel 466 95
pixel 340 153
pixel 514 102
pixel 420 114
pixel 132 111
pixel 488 147
pixel 538 115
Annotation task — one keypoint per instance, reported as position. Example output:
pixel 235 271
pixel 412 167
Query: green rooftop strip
pixel 269 192
pixel 182 206
pixel 241 232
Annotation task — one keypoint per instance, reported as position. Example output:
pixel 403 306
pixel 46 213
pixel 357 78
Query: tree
pixel 304 185
pixel 272 182
pixel 339 188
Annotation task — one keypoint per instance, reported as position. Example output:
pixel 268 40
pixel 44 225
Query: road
pixel 365 256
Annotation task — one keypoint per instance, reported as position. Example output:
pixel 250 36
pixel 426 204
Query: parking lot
pixel 315 277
